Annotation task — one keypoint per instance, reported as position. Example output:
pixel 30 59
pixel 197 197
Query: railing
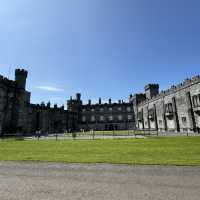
pixel 104 134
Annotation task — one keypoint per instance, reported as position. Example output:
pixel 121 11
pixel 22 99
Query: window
pixel 92 109
pixel 83 119
pixel 101 118
pixel 120 117
pixel 160 122
pixel 83 110
pixel 101 109
pixel 129 117
pixel 110 109
pixel 196 100
pixel 184 119
pixel 128 109
pixel 119 108
pixel 110 118
pixel 92 118
pixel 169 108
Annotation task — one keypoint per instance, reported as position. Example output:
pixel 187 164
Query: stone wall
pixel 176 109
pixel 171 110
pixel 107 116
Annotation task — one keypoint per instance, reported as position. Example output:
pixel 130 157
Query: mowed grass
pixel 149 151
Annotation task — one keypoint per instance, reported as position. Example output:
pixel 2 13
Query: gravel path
pixel 53 181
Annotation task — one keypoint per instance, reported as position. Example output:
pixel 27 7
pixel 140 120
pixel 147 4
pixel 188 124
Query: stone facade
pixel 176 109
pixel 14 101
pixel 18 115
pixel 106 116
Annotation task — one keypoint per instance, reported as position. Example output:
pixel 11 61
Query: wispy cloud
pixel 50 88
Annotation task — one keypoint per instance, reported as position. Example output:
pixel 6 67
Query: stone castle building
pixel 103 116
pixel 176 109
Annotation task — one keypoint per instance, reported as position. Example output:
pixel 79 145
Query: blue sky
pixel 101 48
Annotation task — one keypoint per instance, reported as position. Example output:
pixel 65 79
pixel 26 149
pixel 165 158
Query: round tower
pixel 20 78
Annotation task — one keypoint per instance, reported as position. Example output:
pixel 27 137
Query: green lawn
pixel 155 150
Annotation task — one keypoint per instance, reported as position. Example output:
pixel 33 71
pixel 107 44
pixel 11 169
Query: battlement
pixel 7 82
pixel 151 85
pixel 21 72
pixel 112 104
pixel 47 107
pixel 174 88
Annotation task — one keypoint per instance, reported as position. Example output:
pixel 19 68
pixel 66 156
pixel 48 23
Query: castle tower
pixel 20 78
pixel 74 104
pixel 151 90
pixel 78 96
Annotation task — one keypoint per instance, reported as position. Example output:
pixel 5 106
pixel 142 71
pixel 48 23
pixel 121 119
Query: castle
pixel 176 109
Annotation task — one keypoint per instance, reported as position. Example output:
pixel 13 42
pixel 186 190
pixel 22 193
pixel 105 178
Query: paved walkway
pixel 53 181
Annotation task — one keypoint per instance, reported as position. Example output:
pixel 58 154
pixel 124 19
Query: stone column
pixel 142 118
pixel 175 115
pixel 148 120
pixel 155 117
pixel 190 112
pixel 164 117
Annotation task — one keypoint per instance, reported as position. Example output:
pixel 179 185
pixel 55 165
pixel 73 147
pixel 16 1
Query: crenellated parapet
pixel 21 72
pixel 47 107
pixel 173 89
pixel 8 83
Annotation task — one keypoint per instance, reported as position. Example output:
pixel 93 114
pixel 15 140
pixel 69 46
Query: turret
pixel 151 90
pixel 130 98
pixel 78 96
pixel 20 78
